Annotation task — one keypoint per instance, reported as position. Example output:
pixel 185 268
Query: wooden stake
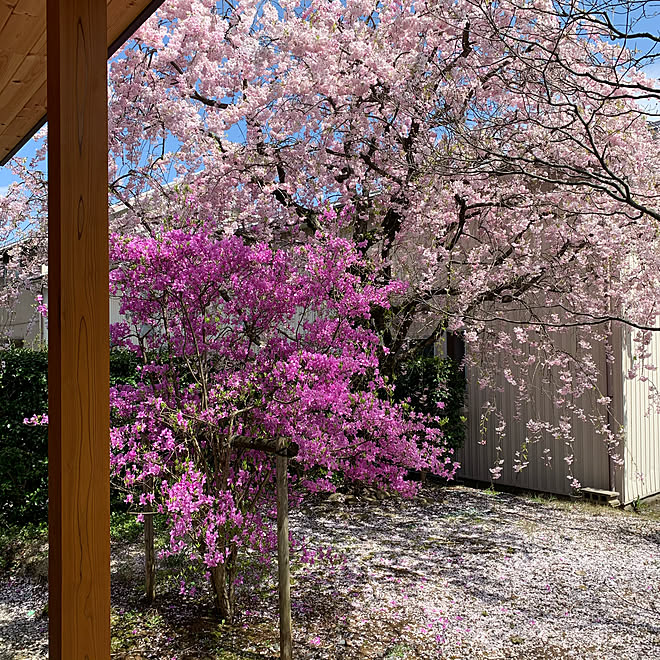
pixel 149 561
pixel 284 574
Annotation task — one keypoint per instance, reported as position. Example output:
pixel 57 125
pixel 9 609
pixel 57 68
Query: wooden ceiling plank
pixel 20 126
pixel 37 102
pixel 11 62
pixel 19 91
pixel 24 120
pixel 12 141
pixel 5 13
pixel 120 14
pixel 125 17
pixel 21 32
pixel 6 8
pixel 7 141
pixel 31 8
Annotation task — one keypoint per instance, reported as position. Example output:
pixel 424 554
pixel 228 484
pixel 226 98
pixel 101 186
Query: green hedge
pixel 427 380
pixel 23 448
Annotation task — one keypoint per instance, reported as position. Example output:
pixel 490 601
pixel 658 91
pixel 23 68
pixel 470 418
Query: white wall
pixel 30 327
pixel 641 424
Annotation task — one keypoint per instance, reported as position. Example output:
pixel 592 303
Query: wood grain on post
pixel 284 573
pixel 78 363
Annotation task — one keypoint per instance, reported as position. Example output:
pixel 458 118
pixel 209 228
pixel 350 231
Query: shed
pixel 636 477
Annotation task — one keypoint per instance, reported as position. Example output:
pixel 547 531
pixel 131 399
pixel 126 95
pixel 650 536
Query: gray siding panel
pixel 590 466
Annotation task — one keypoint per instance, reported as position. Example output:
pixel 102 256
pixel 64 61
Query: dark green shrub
pixel 123 367
pixel 24 448
pixel 427 380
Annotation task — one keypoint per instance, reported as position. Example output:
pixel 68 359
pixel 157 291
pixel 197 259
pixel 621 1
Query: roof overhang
pixel 23 62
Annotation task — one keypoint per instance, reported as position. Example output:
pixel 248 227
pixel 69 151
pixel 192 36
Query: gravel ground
pixel 456 573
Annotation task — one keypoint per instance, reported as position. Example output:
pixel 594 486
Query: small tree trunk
pixel 224 592
pixel 284 576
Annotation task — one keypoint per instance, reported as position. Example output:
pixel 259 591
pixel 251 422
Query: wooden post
pixel 149 555
pixel 284 574
pixel 78 361
pixel 149 563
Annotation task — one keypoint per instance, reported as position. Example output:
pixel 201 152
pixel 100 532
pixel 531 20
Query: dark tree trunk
pixel 222 580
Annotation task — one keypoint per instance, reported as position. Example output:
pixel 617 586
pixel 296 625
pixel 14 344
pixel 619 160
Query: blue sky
pixel 651 25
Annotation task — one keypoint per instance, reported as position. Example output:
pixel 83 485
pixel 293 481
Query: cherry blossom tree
pixel 459 132
pixel 23 240
pixel 497 157
pixel 250 352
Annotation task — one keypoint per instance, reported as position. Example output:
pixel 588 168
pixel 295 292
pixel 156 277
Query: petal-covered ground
pixel 456 573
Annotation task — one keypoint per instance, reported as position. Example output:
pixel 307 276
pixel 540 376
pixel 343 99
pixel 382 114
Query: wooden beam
pixel 78 362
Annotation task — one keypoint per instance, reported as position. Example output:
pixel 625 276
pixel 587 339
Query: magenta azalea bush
pixel 241 345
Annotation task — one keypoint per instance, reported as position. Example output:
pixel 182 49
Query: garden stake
pixel 283 551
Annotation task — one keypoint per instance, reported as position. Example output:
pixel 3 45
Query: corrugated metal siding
pixel 590 466
pixel 642 427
